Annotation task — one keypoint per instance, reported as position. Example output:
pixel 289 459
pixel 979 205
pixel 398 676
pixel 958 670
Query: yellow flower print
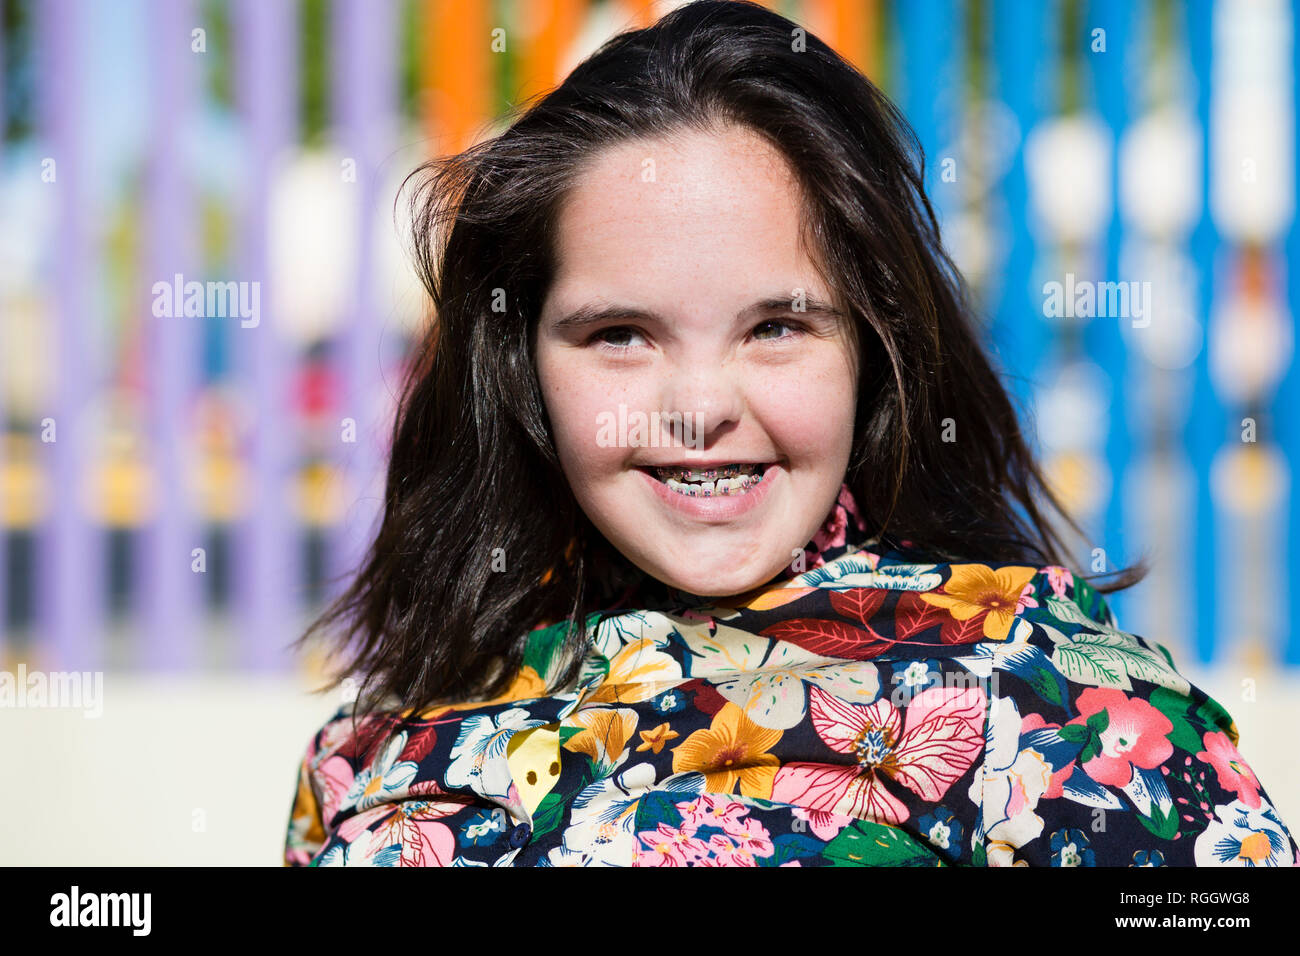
pixel 605 732
pixel 527 684
pixel 655 739
pixel 733 748
pixel 635 674
pixel 977 589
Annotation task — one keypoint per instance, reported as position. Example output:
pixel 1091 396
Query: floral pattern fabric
pixel 871 710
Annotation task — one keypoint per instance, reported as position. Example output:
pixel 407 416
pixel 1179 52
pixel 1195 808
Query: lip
pixel 722 508
pixel 702 465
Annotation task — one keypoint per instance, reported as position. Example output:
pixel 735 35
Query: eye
pixel 617 338
pixel 777 325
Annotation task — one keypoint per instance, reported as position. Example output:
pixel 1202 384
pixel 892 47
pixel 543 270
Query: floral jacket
pixel 870 711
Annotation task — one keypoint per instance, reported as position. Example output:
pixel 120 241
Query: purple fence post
pixel 266 554
pixel 71 550
pixel 4 418
pixel 170 592
pixel 365 44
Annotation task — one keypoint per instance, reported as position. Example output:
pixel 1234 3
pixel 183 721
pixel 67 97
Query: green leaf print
pixel 1103 656
pixel 1162 824
pixel 1096 725
pixel 1091 749
pixel 864 843
pixel 1045 685
pixel 1099 721
pixel 551 811
pixel 541 646
pixel 655 808
pixel 1184 735
pixel 1074 733
pixel 1214 716
pixel 1089 599
pixel 549 814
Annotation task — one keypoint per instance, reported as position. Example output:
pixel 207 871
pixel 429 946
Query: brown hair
pixel 473 465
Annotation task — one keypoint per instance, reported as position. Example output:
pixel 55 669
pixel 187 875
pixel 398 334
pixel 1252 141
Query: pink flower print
pixel 712 811
pixel 1059 578
pixel 944 735
pixel 1235 775
pixel 421 841
pixel 334 779
pixel 824 824
pixel 753 838
pixel 670 847
pixel 1027 598
pixel 661 855
pixel 1135 735
pixel 352 828
pixel 850 505
pixel 729 854
pixel 834 530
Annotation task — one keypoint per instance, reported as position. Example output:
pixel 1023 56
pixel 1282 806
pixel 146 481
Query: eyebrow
pixel 589 315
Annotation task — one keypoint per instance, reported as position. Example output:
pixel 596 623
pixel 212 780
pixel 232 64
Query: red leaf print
pixel 830 638
pixel 858 603
pixel 913 615
pixel 707 700
pixel 418 747
pixel 370 734
pixel 963 632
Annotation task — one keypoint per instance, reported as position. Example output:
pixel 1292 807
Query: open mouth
pixel 718 482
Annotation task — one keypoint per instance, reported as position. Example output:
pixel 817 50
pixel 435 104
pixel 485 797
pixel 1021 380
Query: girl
pixel 710 536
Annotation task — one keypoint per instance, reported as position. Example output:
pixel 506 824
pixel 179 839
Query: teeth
pixel 709 474
pixel 721 481
pixel 715 488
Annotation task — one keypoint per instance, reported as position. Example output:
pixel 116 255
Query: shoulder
pixel 1075 632
pixel 1054 587
pixel 1100 752
pixel 1066 650
pixel 334 756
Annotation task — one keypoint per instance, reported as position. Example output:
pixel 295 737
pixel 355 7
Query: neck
pixel 620 586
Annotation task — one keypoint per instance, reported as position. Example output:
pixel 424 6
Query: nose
pixel 708 399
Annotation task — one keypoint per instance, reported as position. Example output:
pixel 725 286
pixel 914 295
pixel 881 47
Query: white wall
pixel 123 788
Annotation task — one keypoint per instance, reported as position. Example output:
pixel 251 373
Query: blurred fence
pixel 205 306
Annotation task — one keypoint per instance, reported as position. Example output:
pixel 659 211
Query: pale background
pixel 1149 141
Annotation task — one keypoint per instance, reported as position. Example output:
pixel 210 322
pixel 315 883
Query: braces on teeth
pixel 711 482
pixel 725 471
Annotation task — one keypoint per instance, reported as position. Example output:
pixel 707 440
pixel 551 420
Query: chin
pixel 709 583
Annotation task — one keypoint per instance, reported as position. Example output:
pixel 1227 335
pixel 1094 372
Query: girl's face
pixel 682 294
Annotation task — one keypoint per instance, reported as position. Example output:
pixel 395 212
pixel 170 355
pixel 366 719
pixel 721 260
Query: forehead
pixel 720 209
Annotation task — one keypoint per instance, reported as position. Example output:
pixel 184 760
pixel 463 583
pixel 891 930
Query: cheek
pixel 575 402
pixel 809 411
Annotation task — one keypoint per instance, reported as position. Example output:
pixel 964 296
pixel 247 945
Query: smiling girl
pixel 827 623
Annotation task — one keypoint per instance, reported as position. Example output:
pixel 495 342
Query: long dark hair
pixel 474 477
